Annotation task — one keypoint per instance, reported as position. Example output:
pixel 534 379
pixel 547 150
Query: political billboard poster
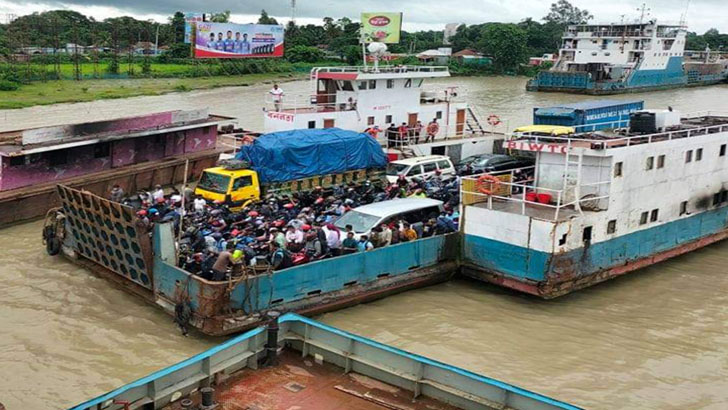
pixel 227 40
pixel 190 20
pixel 381 27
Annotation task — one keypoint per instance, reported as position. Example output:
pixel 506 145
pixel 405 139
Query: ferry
pixel 616 58
pixel 133 152
pixel 601 204
pixel 297 363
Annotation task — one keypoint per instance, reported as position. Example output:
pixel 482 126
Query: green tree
pixel 177 21
pixel 304 54
pixel 506 43
pixel 563 13
pixel 223 17
pixel 266 19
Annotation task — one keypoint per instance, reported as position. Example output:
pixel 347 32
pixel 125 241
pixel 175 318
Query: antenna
pixel 644 11
pixel 293 11
pixel 684 15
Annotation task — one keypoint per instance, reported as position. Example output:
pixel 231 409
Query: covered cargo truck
pixel 292 161
pixel 588 115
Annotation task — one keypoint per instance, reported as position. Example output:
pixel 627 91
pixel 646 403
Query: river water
pixel 656 339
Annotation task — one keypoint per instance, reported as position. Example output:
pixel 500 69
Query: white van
pixel 366 217
pixel 420 167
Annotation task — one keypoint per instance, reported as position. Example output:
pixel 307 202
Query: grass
pixel 65 91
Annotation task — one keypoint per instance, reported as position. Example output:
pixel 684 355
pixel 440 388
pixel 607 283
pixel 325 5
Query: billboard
pixel 190 20
pixel 381 27
pixel 228 40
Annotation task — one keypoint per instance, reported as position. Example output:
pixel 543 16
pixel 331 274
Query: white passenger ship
pixel 600 205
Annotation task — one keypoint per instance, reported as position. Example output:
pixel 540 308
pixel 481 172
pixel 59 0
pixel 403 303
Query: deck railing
pixel 382 69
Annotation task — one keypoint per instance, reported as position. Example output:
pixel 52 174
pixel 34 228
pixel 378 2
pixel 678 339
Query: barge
pixel 134 153
pixel 601 205
pixel 299 363
pixel 616 58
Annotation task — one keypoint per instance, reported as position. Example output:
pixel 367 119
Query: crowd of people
pixel 278 232
pixel 404 134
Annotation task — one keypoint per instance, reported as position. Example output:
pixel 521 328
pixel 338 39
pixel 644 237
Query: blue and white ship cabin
pixel 599 204
pixel 614 57
pixel 359 98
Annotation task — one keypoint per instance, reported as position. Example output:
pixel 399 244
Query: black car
pixel 478 164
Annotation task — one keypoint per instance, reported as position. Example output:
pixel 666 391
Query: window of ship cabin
pixel 438 115
pixel 654 214
pixel 618 169
pixel 661 161
pixel 612 226
pixel 688 156
pixel 716 198
pixel 722 151
pixel 698 154
pixel 56 158
pixel 683 207
pixel 723 196
pixel 388 119
pixel 390 83
pixel 362 85
pixel 372 84
pixel 16 161
pixel 312 124
pixel 586 236
pixel 102 150
pixel 650 163
pixel 344 86
pixel 370 120
pixel 643 217
pixel 408 83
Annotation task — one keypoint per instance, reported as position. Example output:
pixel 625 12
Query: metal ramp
pixel 472 122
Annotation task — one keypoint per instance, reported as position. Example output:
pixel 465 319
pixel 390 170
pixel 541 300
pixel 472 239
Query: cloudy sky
pixel 419 14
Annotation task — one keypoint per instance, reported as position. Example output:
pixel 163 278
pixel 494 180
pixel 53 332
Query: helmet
pixel 253 214
pixel 160 199
pixel 237 254
pixel 235 232
pixel 319 201
pixel 142 212
pixel 153 211
pixel 288 206
pixel 279 223
pixel 306 227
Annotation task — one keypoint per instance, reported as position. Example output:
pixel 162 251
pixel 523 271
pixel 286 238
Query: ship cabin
pixel 63 153
pixel 600 204
pixel 359 98
pixel 613 51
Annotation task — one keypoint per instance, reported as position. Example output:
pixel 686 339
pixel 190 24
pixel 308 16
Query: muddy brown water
pixel 656 339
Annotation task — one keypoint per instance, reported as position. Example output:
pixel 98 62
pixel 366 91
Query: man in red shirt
pixel 432 129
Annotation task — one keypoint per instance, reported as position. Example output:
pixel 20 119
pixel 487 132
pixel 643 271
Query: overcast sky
pixel 418 14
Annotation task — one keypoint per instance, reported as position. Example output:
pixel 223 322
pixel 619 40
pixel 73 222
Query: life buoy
pixel 493 183
pixel 493 120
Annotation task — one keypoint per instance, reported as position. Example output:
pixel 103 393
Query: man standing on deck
pixel 117 194
pixel 224 260
pixel 277 95
pixel 432 129
pixel 157 194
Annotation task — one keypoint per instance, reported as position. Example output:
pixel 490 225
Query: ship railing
pixel 513 197
pixel 584 141
pixel 295 103
pixel 613 125
pixel 382 69
pixel 447 132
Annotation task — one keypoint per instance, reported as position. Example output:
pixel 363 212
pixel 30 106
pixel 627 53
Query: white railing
pixel 381 69
pixel 632 139
pixel 518 192
pixel 308 103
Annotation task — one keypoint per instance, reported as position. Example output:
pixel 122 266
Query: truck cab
pixel 236 187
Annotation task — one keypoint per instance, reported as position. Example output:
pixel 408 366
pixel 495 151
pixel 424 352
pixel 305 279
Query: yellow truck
pixel 294 161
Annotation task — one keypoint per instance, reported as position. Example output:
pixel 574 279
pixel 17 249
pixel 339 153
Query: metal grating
pixel 105 232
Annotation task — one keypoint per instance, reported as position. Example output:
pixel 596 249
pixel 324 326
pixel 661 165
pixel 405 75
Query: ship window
pixel 59 157
pixel 698 154
pixel 408 83
pixel 654 214
pixel 562 240
pixel 370 120
pixel 661 161
pixel 586 236
pixel 612 226
pixel 346 86
pixel 312 124
pixel 722 151
pixel 372 84
pixel 683 207
pixel 17 161
pixel 650 163
pixel 618 169
pixel 388 119
pixel 362 85
pixel 102 150
pixel 688 156
pixel 723 196
pixel 643 217
pixel 390 83
pixel 438 115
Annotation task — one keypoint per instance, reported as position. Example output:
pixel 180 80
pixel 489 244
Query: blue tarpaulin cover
pixel 288 155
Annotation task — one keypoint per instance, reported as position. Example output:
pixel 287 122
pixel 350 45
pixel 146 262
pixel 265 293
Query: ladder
pixel 472 122
pixel 572 174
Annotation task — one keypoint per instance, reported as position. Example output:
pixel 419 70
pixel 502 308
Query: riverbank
pixel 69 91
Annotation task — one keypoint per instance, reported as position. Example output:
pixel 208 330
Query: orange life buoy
pixel 493 183
pixel 493 120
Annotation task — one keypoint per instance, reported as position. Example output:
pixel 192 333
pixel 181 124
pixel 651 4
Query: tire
pixel 53 246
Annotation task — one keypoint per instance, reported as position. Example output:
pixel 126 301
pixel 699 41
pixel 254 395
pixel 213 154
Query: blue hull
pixel 549 275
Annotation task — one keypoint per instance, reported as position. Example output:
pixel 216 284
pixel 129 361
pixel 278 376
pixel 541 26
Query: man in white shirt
pixel 158 193
pixel 277 94
pixel 199 204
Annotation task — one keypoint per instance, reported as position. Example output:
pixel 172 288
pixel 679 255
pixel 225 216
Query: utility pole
pixel 156 42
pixel 293 11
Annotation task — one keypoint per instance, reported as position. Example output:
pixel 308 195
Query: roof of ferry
pixel 594 104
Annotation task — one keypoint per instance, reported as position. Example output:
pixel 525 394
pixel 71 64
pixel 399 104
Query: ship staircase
pixel 573 164
pixel 473 123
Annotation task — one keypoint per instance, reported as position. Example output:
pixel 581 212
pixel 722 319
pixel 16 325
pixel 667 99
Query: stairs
pixel 472 122
pixel 572 174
